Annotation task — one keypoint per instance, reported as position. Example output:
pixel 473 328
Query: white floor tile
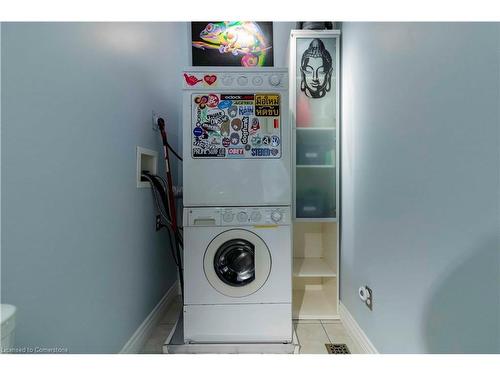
pixel 312 338
pixel 157 339
pixel 172 313
pixel 335 329
pixel 337 334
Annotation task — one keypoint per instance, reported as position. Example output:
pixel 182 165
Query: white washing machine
pixel 238 275
pixel 236 137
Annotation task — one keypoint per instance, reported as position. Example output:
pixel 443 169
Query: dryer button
pixel 227 81
pixel 227 216
pixel 242 81
pixel 257 81
pixel 274 80
pixel 276 216
pixel 256 216
pixel 242 217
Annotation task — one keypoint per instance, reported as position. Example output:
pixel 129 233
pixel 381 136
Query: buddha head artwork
pixel 316 68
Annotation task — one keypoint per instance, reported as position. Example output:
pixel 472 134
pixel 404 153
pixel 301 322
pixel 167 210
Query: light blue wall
pixel 420 184
pixel 80 255
pixel 281 41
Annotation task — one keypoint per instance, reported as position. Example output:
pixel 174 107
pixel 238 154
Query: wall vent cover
pixel 337 349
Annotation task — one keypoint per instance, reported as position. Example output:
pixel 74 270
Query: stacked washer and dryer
pixel 237 198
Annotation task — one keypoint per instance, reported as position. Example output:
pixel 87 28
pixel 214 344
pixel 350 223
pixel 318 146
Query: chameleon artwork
pixel 244 39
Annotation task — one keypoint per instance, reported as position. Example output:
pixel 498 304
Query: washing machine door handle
pixel 234 262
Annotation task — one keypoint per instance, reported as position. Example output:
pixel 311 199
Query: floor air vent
pixel 337 349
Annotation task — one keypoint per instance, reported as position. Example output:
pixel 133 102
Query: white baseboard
pixel 355 331
pixel 141 334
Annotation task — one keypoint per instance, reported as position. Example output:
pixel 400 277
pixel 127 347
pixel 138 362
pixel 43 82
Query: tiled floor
pixel 312 334
pixel 154 345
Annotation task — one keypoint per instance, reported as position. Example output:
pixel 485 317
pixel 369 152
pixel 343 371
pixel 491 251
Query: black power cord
pixel 173 152
pixel 162 198
pixel 159 190
pixel 158 197
pixel 161 125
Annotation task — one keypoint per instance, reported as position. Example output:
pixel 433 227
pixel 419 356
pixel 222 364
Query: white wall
pixel 420 184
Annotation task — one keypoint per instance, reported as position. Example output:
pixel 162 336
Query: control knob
pixel 242 217
pixel 256 216
pixel 242 81
pixel 227 81
pixel 228 216
pixel 257 80
pixel 274 80
pixel 276 216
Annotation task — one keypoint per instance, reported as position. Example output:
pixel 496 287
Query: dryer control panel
pixel 237 216
pixel 236 78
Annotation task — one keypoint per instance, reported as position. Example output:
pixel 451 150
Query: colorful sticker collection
pixel 236 126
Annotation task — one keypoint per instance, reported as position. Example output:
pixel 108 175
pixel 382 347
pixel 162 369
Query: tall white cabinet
pixel 314 103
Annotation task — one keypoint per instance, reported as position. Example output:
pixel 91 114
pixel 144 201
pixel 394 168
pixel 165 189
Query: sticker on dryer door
pixel 236 126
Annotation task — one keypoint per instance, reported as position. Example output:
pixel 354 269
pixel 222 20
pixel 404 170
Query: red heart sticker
pixel 210 79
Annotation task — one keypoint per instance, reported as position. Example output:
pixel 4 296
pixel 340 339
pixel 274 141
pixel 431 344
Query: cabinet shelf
pixel 315 166
pixel 314 128
pixel 313 304
pixel 312 267
pixel 315 219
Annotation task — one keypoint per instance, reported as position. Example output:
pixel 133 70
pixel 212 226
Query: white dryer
pixel 236 137
pixel 238 275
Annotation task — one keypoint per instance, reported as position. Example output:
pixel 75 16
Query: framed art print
pixel 232 43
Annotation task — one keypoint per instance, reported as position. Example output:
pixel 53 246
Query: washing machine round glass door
pixel 237 263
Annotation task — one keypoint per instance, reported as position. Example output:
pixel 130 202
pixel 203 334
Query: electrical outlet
pixel 154 120
pixel 366 295
pixel 158 222
pixel 369 300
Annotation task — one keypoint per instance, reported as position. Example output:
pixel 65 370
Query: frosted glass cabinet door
pixel 315 193
pixel 315 87
pixel 315 126
pixel 315 147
